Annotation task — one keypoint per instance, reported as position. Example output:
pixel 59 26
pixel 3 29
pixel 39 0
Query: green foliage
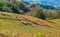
pixel 2 4
pixel 7 9
pixel 14 6
pixel 37 12
pixel 22 6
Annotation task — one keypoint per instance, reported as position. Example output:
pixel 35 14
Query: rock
pixel 25 23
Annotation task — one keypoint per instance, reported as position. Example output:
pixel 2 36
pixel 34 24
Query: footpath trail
pixel 38 21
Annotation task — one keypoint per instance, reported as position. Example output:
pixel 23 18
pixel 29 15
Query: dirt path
pixel 38 21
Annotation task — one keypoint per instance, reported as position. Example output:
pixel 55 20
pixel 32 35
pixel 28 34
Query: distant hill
pixel 43 4
pixel 49 2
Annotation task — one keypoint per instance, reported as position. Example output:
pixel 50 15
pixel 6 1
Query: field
pixel 11 23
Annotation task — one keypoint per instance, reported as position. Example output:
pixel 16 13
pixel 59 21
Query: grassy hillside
pixel 9 23
pixel 56 21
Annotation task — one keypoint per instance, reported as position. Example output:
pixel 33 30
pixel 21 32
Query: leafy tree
pixel 23 7
pixel 7 9
pixel 2 4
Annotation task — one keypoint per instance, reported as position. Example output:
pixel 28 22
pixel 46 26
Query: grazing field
pixel 11 23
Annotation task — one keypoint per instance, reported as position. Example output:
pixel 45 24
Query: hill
pixel 18 23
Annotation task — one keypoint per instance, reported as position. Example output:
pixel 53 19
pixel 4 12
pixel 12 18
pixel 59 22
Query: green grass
pixel 56 21
pixel 9 24
pixel 15 26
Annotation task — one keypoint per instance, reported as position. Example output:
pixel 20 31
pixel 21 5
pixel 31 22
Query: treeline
pixel 13 6
pixel 34 10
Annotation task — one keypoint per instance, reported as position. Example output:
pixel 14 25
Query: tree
pixel 2 4
pixel 7 9
pixel 37 12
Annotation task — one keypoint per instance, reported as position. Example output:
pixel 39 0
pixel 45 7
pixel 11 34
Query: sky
pixel 50 2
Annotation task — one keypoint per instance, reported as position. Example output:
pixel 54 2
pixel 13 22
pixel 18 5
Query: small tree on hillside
pixel 37 12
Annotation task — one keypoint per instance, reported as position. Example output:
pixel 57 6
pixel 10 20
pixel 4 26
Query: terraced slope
pixel 17 23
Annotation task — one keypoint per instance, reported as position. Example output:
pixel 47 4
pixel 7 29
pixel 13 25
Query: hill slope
pixel 38 21
pixel 56 21
pixel 17 23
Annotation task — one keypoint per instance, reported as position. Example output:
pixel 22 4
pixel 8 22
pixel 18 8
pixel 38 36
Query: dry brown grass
pixel 23 35
pixel 38 21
